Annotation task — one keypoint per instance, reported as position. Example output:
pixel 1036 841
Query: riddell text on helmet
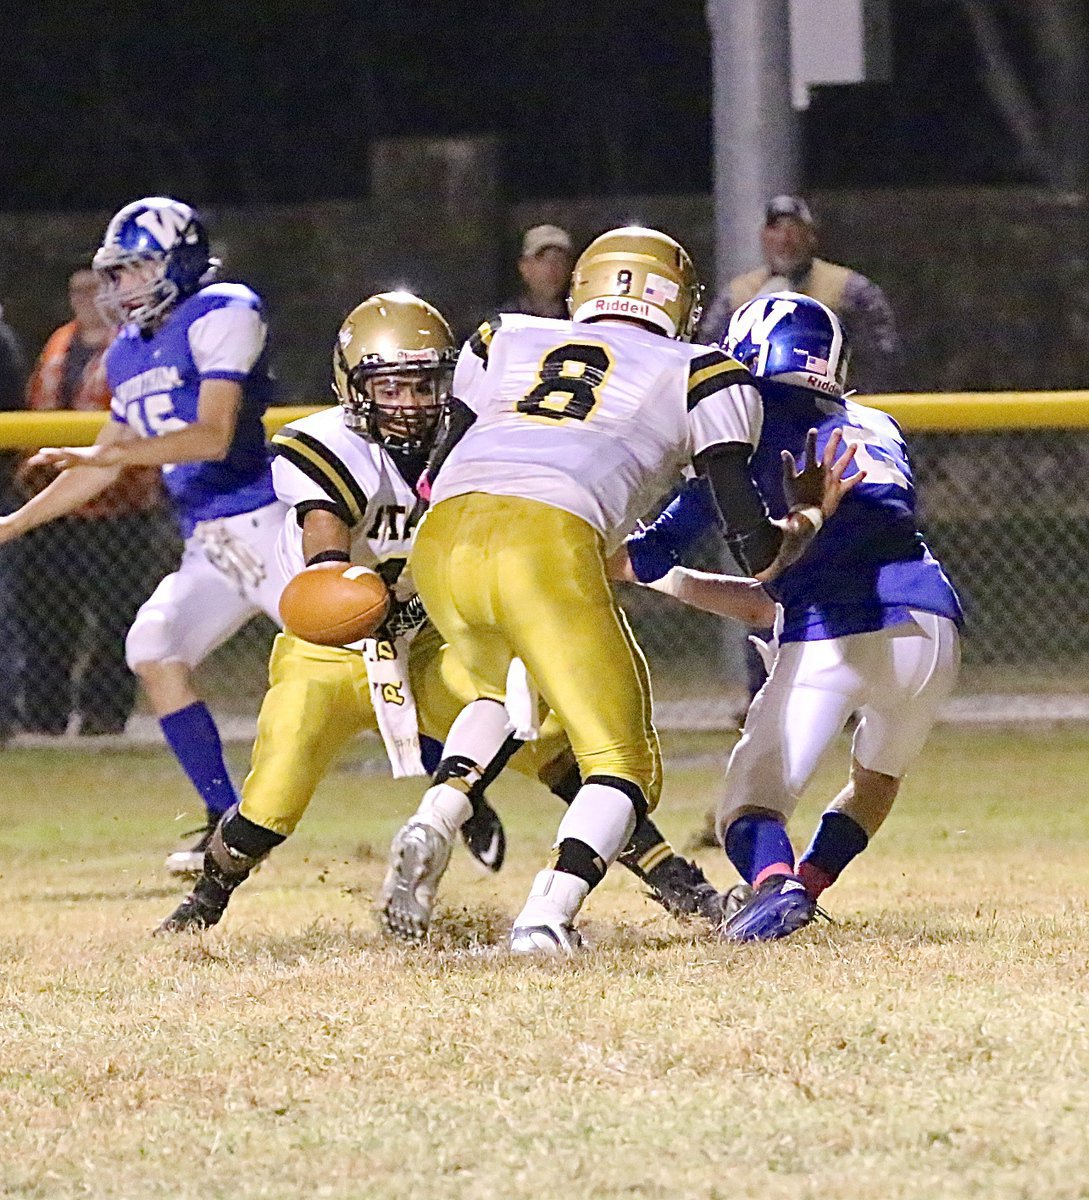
pixel 622 304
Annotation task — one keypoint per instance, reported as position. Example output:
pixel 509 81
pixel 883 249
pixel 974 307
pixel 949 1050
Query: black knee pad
pixel 575 857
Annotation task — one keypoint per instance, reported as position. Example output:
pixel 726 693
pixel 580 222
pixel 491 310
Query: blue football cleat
pixel 779 907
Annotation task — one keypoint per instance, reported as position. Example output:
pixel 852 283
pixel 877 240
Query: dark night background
pixel 102 101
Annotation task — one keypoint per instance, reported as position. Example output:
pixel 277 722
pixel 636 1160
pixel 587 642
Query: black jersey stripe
pixel 716 379
pixel 706 360
pixel 334 477
pixel 320 476
pixel 481 339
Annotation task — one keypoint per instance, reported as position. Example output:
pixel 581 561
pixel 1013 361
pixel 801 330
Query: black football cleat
pixel 484 836
pixel 201 909
pixel 684 891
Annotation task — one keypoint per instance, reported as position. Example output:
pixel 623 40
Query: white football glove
pixel 230 555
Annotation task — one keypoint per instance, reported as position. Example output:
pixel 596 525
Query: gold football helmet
pixel 641 274
pixel 393 361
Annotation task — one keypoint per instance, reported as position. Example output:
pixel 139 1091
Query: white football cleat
pixel 546 925
pixel 417 859
pixel 551 939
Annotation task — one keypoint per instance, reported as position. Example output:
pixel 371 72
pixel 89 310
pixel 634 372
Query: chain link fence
pixel 1007 514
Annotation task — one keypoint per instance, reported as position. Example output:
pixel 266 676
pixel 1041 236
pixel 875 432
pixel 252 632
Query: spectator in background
pixel 12 398
pixel 545 268
pixel 788 241
pixel 79 581
pixel 12 391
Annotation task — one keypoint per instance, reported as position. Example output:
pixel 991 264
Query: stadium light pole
pixel 754 157
pixel 754 127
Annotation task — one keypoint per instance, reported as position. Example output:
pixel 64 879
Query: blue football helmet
pixel 792 339
pixel 168 240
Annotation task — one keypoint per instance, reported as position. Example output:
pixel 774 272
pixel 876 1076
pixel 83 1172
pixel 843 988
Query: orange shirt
pixel 139 488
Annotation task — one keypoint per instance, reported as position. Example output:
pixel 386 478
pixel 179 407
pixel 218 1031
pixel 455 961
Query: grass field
pixel 932 1043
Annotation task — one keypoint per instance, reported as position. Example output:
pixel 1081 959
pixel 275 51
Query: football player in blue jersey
pixel 190 382
pixel 867 621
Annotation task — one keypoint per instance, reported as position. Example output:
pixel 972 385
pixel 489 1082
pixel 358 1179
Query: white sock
pixel 478 732
pixel 445 809
pixel 555 895
pixel 602 817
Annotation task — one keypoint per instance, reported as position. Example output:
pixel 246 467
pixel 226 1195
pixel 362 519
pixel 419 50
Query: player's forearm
pixel 197 443
pixel 742 599
pixel 753 537
pixel 661 545
pixel 70 490
pixel 326 538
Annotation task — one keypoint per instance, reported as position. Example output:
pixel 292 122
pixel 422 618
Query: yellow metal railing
pixel 954 412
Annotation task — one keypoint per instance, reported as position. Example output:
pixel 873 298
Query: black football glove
pixel 405 616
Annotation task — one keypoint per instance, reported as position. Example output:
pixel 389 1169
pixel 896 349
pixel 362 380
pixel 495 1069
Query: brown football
pixel 334 603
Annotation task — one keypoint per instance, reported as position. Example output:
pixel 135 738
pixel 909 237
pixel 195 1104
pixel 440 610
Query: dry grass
pixel 931 1044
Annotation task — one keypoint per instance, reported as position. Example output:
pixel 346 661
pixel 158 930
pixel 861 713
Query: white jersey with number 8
pixel 595 419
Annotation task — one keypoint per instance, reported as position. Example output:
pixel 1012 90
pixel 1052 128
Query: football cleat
pixel 548 939
pixel 684 891
pixel 417 860
pixel 201 909
pixel 191 862
pixel 734 899
pixel 484 836
pixel 779 907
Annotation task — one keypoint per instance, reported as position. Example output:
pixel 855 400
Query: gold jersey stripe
pixel 332 470
pixel 714 378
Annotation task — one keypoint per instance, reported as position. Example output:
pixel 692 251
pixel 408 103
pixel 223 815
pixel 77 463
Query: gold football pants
pixel 503 577
pixel 319 698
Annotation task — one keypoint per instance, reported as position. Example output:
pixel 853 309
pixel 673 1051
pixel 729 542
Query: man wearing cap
pixel 545 269
pixel 788 241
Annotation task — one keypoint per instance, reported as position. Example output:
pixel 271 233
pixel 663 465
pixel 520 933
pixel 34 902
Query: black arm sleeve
pixel 458 424
pixel 752 537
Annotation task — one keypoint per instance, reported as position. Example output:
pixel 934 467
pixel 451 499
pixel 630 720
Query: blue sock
pixel 192 735
pixel 755 842
pixel 430 753
pixel 838 839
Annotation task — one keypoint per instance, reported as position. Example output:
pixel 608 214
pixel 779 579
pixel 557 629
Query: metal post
pixel 754 128
pixel 755 156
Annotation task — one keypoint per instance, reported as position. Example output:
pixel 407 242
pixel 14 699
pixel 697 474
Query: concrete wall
pixel 991 286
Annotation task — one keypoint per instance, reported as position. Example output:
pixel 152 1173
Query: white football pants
pixel 896 679
pixel 227 575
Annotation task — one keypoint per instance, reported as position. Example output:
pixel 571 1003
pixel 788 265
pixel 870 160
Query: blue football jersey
pixel 869 564
pixel 217 333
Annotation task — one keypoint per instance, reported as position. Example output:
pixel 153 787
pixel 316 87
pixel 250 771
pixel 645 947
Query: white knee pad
pixel 148 639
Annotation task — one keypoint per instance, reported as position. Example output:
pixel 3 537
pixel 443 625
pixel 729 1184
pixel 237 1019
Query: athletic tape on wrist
pixel 811 513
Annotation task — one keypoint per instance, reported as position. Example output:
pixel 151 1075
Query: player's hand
pixel 103 454
pixel 820 484
pixel 618 566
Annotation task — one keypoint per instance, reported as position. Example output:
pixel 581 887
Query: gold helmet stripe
pixel 320 464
